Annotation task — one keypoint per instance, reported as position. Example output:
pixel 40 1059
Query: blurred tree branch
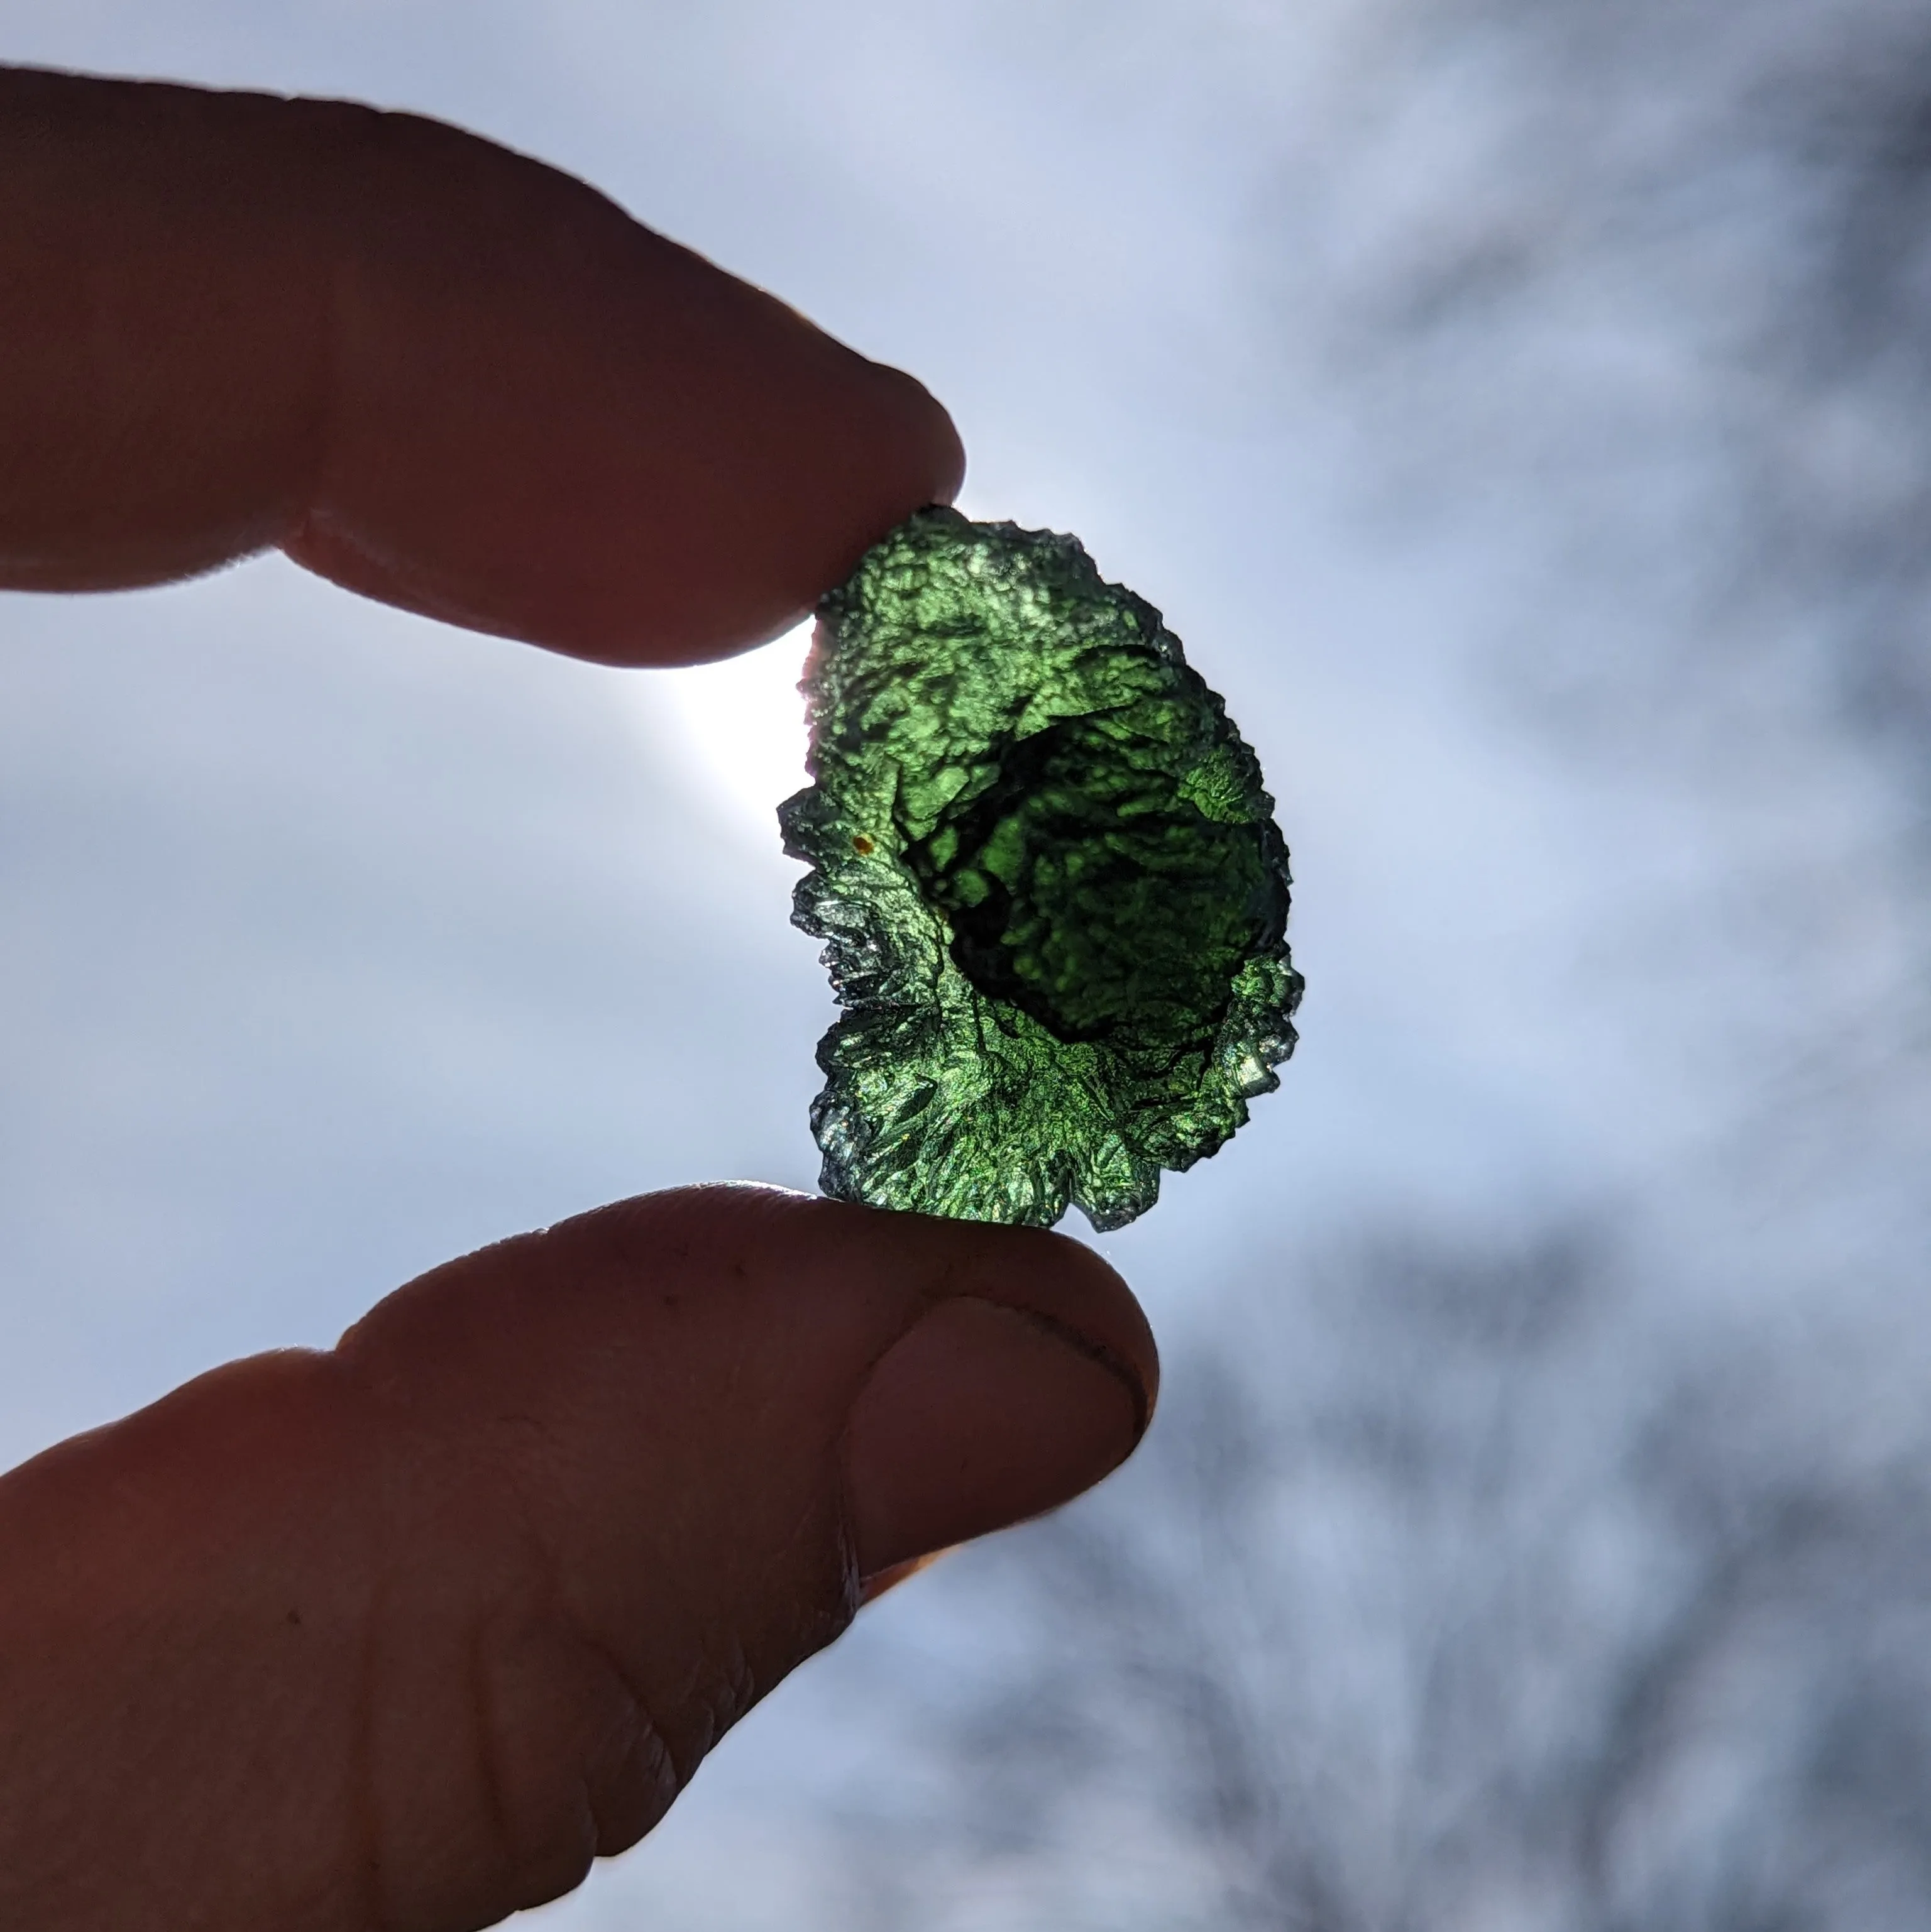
pixel 1396 1627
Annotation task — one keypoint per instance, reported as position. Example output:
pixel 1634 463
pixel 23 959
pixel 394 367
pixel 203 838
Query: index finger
pixel 437 372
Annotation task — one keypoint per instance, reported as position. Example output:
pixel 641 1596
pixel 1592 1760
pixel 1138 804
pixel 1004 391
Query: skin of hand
pixel 403 1634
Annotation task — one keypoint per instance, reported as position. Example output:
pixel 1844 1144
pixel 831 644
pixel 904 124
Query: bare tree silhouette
pixel 1431 1614
pixel 1479 1594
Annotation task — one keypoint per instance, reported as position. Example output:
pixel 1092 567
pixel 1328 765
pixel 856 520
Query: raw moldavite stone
pixel 1053 892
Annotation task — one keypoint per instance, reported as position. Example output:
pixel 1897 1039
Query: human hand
pixel 403 1634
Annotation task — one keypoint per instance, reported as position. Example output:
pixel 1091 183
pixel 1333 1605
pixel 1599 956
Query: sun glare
pixel 740 727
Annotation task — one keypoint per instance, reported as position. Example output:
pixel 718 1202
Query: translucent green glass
pixel 1054 897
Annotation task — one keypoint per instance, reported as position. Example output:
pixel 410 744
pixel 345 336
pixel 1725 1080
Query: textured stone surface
pixel 1053 892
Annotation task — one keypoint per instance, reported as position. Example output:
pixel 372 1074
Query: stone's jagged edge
pixel 940 1098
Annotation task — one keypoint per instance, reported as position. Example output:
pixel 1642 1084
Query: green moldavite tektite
pixel 1053 892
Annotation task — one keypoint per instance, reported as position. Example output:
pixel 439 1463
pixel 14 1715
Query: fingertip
pixel 1054 1279
pixel 1059 1282
pixel 720 1254
pixel 942 454
pixel 983 1415
pixel 434 371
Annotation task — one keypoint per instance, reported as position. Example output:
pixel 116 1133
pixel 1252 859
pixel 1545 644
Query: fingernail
pixel 981 1416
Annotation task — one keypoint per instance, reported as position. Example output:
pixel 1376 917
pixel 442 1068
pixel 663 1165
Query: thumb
pixel 405 1634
